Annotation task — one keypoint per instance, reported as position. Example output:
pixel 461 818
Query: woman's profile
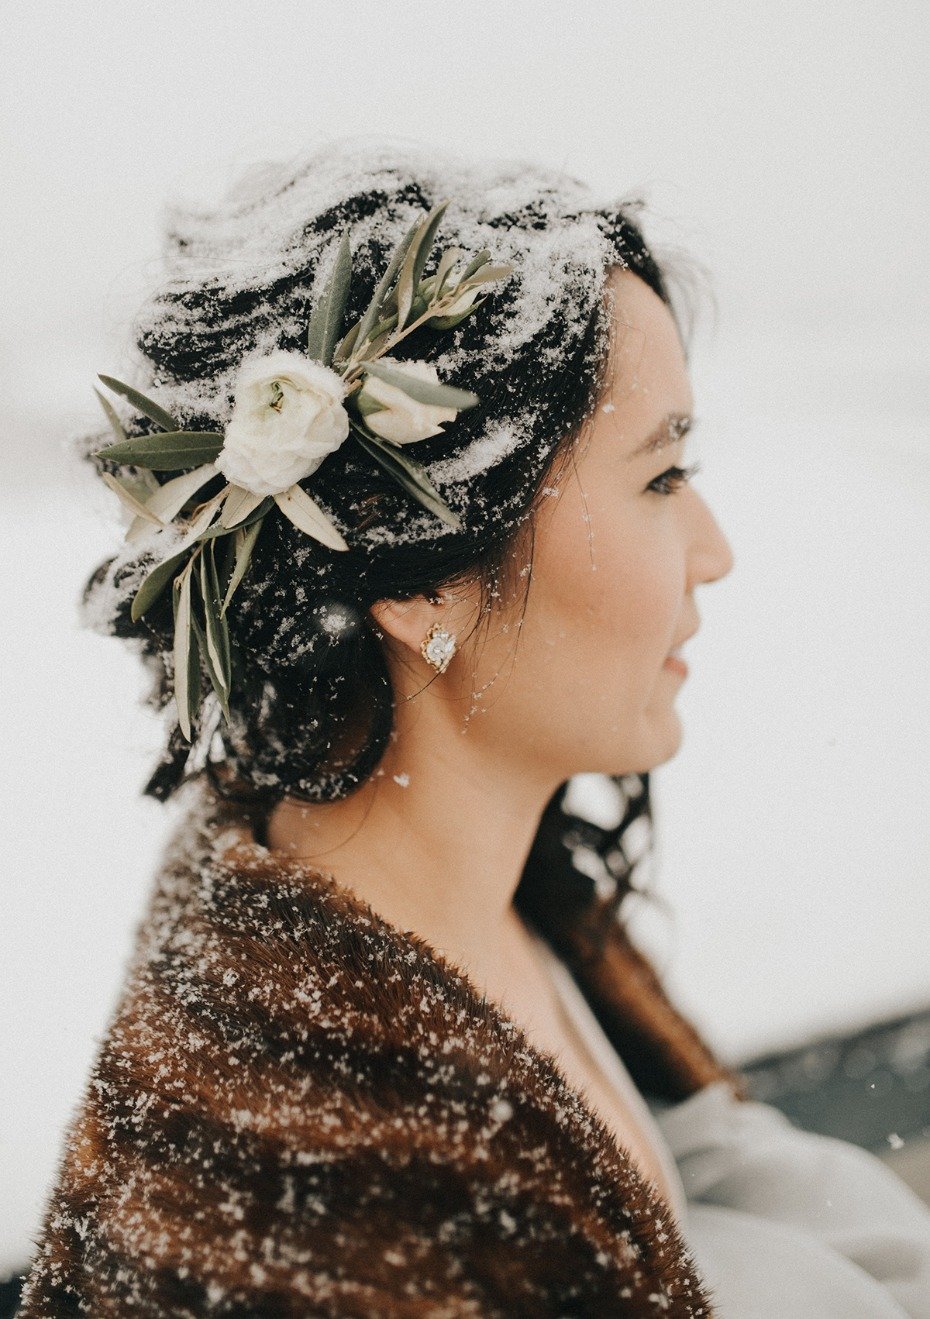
pixel 413 550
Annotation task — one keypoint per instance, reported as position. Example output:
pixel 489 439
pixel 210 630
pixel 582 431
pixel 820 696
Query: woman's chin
pixel 667 736
pixel 656 746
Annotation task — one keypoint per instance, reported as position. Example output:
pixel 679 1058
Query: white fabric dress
pixel 783 1223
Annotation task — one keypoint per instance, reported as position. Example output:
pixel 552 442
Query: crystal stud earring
pixel 438 647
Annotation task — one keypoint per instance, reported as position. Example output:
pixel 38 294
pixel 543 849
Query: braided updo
pixel 311 707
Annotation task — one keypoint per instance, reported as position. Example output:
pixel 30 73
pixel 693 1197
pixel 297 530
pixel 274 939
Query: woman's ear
pixel 408 621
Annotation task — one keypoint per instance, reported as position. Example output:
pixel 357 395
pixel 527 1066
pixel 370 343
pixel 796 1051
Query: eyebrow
pixel 670 430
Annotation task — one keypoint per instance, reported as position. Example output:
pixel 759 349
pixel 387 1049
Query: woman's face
pixel 582 683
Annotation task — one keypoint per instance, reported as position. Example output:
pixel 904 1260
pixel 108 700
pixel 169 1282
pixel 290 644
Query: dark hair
pixel 312 704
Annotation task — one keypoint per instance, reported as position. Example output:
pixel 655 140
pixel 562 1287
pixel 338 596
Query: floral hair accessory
pixel 290 411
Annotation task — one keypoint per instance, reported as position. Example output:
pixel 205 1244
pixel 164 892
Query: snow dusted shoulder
pixel 297 1108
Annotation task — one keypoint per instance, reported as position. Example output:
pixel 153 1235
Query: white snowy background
pixel 781 144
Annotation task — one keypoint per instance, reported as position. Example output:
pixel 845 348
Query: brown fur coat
pixel 300 1110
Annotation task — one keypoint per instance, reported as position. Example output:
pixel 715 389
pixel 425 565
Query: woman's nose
pixel 712 555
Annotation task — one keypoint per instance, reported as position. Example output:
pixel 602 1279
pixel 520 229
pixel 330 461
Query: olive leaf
pixel 171 497
pixel 422 391
pixel 446 262
pixel 486 275
pixel 134 504
pixel 186 667
pixel 166 452
pixel 243 539
pixel 158 577
pixel 238 505
pixel 168 499
pixel 415 259
pixel 408 473
pixel 365 405
pixel 378 340
pixel 326 320
pixel 421 300
pixel 211 674
pixel 343 349
pixel 225 649
pixel 306 514
pixel 146 406
pixel 217 648
pixel 257 514
pixel 425 245
pixel 111 415
pixel 425 309
pixel 477 261
pixel 380 331
pixel 141 483
pixel 152 586
pixel 373 309
pixel 448 322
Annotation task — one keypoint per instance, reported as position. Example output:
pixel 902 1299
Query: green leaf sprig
pixel 203 586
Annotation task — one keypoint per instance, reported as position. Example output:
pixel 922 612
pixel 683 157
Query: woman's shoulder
pixel 837 1221
pixel 297 1100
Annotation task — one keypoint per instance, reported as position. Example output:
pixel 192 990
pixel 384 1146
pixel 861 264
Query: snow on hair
pixel 241 277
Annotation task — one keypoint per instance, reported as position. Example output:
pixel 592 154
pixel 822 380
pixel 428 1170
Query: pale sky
pixel 783 144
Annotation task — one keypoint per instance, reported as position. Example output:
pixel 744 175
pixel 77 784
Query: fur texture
pixel 300 1110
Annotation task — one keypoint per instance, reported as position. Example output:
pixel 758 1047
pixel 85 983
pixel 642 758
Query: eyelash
pixel 679 476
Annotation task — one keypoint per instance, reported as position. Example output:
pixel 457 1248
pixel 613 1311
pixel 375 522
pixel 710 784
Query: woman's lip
pixel 677 665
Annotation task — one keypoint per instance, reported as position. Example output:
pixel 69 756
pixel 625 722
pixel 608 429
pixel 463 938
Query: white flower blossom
pixel 287 417
pixel 401 418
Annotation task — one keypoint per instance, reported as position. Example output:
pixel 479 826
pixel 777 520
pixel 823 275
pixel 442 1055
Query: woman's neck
pixel 436 844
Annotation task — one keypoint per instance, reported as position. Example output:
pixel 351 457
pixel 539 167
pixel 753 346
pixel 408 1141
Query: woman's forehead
pixel 647 377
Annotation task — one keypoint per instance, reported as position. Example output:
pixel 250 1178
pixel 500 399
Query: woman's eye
pixel 673 479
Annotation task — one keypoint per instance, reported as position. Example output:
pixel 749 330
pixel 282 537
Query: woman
pixel 385 1047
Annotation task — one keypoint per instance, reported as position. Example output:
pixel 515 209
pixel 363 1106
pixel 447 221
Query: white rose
pixel 401 418
pixel 287 416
